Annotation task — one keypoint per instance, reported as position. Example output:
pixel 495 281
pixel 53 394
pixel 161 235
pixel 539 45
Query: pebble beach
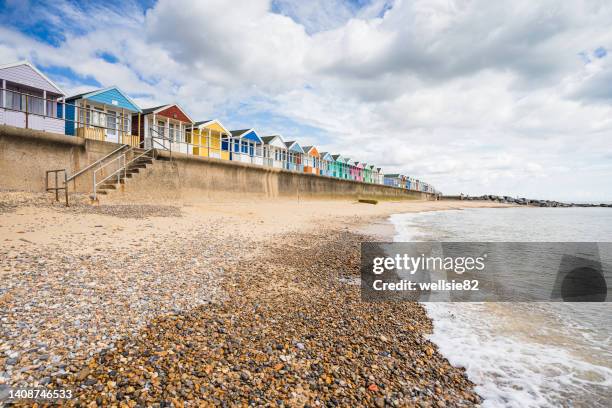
pixel 201 304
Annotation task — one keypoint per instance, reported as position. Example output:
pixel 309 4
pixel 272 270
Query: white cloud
pixel 474 96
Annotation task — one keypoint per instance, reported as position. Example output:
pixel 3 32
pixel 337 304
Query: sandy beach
pixel 235 302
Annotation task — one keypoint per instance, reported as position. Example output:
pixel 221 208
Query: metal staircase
pixel 112 170
pixel 115 172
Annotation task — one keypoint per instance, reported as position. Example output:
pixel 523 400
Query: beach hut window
pixel 13 100
pixel 161 129
pixel 111 122
pixel 88 115
pixel 97 117
pixel 36 105
pixel 171 131
pixel 51 107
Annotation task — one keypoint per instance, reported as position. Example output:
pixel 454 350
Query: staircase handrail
pixel 99 161
pixel 122 168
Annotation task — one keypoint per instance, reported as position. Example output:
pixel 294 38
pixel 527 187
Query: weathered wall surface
pixel 25 155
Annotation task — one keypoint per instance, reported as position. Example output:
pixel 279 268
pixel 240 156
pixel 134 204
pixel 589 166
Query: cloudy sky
pixel 474 96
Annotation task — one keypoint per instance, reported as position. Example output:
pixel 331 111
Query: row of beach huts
pixel 29 99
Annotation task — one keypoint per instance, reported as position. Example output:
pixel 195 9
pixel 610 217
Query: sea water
pixel 523 354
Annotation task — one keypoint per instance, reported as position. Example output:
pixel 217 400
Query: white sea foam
pixel 518 354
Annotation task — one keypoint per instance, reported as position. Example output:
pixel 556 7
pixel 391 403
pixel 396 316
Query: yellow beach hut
pixel 207 137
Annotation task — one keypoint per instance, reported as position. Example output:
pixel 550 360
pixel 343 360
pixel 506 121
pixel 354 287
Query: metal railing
pixel 119 163
pixel 57 187
pixel 91 123
pixel 97 162
pixel 120 166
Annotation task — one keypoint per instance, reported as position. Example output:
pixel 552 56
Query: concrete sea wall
pixel 26 154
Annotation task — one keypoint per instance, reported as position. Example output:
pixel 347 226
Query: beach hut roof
pixel 113 91
pixel 338 157
pixel 326 156
pixel 207 123
pixel 13 67
pixel 248 134
pixel 310 150
pixel 153 109
pixel 161 108
pixel 294 146
pixel 274 140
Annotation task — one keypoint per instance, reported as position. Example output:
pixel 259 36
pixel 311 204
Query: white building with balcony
pixel 28 99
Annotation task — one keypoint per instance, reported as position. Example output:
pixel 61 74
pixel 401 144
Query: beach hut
pixel 274 151
pixel 28 99
pixel 327 164
pixel 348 168
pixel 393 180
pixel 352 169
pixel 336 165
pixel 369 172
pixel 164 127
pixel 103 114
pixel 245 146
pixel 360 171
pixel 311 160
pixel 207 139
pixel 380 176
pixel 341 167
pixel 295 156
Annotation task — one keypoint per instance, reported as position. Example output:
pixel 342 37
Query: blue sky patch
pixel 600 52
pixel 60 74
pixel 108 57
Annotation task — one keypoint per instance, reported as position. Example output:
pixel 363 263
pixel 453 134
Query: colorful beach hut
pixel 393 180
pixel 367 173
pixel 245 146
pixel 103 114
pixel 359 170
pixel 311 160
pixel 207 139
pixel 274 151
pixel 163 127
pixel 339 166
pixel 327 164
pixel 348 168
pixel 28 99
pixel 352 169
pixel 410 183
pixel 295 156
pixel 378 176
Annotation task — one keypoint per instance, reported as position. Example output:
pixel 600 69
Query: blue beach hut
pixel 295 156
pixel 245 146
pixel 104 114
